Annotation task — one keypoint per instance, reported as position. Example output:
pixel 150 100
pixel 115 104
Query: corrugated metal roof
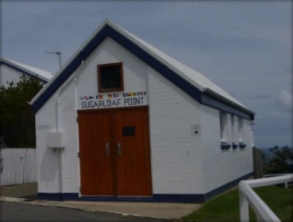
pixel 192 76
pixel 33 70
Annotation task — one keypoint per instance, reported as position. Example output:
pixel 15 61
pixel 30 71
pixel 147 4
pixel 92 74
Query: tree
pixel 280 162
pixel 17 120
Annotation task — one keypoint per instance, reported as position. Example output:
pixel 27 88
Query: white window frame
pixel 223 126
pixel 240 129
pixel 232 127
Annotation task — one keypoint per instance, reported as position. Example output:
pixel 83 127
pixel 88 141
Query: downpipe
pixel 58 118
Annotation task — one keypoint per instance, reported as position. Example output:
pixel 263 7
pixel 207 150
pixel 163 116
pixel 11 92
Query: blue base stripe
pixel 179 198
pixel 225 187
pixel 171 198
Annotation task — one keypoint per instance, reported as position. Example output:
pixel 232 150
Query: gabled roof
pixel 193 83
pixel 27 70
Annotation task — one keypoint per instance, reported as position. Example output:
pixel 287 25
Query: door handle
pixel 107 149
pixel 119 149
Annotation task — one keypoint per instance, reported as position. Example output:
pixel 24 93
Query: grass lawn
pixel 226 206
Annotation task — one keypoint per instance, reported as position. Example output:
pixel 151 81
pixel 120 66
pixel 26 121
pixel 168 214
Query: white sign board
pixel 195 130
pixel 113 100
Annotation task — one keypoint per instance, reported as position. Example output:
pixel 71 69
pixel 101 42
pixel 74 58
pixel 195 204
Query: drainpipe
pixel 58 104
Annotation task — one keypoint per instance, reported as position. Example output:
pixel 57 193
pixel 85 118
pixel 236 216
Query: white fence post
pixel 244 210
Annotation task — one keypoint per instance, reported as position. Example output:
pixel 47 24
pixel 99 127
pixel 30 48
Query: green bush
pixel 17 120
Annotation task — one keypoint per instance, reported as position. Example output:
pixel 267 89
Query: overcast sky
pixel 244 47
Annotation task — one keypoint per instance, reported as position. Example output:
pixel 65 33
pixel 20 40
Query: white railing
pixel 280 174
pixel 249 197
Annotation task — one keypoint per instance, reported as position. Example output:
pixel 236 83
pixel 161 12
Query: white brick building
pixel 11 71
pixel 123 121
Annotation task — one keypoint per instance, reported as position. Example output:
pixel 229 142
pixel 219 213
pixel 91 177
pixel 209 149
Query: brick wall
pixel 223 166
pixel 176 155
pixel 181 163
pixel 48 160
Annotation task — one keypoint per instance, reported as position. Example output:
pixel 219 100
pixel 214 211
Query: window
pixel 223 126
pixel 232 127
pixel 240 128
pixel 110 77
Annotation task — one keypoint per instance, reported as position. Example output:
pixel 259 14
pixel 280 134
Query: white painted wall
pixel 223 166
pixel 181 163
pixel 48 160
pixel 135 75
pixel 176 155
pixel 134 70
pixel 8 75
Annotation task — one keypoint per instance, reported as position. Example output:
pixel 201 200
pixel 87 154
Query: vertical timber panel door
pixel 95 154
pixel 133 152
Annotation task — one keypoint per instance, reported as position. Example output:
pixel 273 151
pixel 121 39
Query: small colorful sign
pixel 113 100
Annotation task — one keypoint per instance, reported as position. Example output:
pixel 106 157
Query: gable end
pixel 108 31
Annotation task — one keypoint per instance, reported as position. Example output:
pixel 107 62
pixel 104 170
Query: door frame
pixel 115 178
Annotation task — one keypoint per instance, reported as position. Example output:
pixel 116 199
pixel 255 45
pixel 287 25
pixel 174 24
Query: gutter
pixel 217 96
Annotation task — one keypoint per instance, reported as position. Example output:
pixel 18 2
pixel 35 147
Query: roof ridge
pixel 186 78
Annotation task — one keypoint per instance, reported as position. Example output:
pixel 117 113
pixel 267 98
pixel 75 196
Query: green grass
pixel 226 206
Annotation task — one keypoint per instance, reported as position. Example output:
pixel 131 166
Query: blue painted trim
pixel 107 31
pixel 49 196
pixel 171 198
pixel 70 196
pixel 220 105
pixel 155 64
pixel 242 145
pixel 22 71
pixel 118 199
pixel 234 145
pixel 225 146
pixel 225 187
pixel 179 198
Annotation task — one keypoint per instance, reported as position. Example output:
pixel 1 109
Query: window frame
pixel 99 67
pixel 223 126
pixel 232 127
pixel 240 129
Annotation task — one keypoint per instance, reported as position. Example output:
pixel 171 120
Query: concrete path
pixel 21 212
pixel 27 191
pixel 151 210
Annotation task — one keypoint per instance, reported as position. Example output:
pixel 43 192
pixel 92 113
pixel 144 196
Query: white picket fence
pixel 18 166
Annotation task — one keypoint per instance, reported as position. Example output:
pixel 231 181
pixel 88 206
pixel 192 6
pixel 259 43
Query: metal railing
pixel 249 197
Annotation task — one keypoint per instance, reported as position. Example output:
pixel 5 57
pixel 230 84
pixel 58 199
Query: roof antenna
pixel 57 53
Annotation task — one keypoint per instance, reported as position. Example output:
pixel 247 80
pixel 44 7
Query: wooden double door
pixel 115 152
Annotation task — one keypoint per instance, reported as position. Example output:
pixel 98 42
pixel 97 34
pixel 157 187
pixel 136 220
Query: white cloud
pixel 285 98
